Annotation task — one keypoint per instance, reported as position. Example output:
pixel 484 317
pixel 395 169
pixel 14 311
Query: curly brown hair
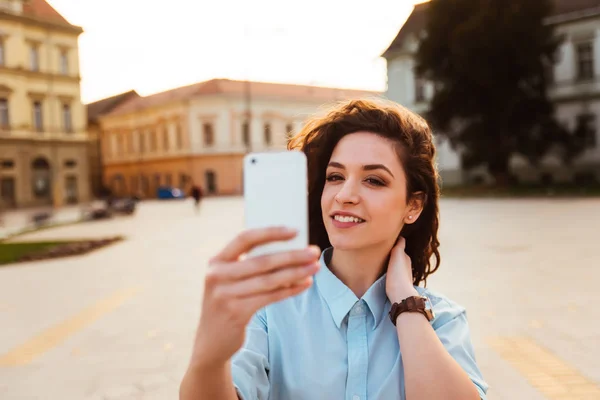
pixel 416 151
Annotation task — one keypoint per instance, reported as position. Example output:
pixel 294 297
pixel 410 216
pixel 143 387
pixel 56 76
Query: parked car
pixel 168 192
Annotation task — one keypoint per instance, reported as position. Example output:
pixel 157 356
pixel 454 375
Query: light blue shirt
pixel 326 343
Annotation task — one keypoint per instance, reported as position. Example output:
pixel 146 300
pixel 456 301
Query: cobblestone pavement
pixel 118 323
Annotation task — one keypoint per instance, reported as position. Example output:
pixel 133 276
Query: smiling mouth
pixel 347 218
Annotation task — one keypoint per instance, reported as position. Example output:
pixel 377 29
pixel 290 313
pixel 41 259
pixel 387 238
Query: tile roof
pixel 104 106
pixel 417 19
pixel 40 9
pixel 238 88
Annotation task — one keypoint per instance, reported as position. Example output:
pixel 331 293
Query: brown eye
pixel 375 181
pixel 334 177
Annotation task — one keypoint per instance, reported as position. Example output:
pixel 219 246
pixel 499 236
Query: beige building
pixel 94 112
pixel 43 140
pixel 200 133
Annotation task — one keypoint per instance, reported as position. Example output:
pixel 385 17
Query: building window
pixel 131 142
pixel 152 140
pixel 585 61
pixel 179 136
pixel 419 89
pixel 289 130
pixel 208 134
pixel 34 57
pixel 7 164
pixel 165 139
pixel 157 180
pixel 38 121
pixel 246 134
pixel 41 178
pixel 71 189
pixel 168 180
pixel 4 119
pixel 211 181
pixel 142 141
pixel 67 119
pixel 586 129
pixel 164 134
pixel 70 163
pixel 64 62
pixel 267 132
pixel 183 180
pixel 2 53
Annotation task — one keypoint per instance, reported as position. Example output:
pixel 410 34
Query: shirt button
pixel 359 309
pixel 355 397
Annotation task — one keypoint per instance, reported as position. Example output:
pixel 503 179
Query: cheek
pixel 327 197
pixel 387 210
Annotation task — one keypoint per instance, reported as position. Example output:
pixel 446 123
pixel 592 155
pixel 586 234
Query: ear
pixel 415 207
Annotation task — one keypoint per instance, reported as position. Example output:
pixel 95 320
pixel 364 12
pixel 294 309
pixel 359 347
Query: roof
pixel 417 20
pixel 233 87
pixel 104 106
pixel 40 9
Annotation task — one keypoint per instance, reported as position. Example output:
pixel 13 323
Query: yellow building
pixel 43 140
pixel 199 134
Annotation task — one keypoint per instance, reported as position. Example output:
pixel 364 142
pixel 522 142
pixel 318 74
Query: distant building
pixel 43 140
pixel 200 133
pixel 575 90
pixel 94 111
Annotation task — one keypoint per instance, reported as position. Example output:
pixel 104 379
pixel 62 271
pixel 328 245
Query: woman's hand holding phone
pixel 236 288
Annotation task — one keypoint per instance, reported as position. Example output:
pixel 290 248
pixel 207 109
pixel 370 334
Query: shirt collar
pixel 340 299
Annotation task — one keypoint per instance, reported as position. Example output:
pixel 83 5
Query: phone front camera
pixel 253 161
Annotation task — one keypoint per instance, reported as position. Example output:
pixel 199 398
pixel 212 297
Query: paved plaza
pixel 118 323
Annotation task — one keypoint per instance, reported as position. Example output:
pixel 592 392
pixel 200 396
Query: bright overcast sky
pixel 151 45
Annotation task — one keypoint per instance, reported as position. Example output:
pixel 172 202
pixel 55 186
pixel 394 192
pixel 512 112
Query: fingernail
pixel 313 266
pixel 315 250
pixel 289 230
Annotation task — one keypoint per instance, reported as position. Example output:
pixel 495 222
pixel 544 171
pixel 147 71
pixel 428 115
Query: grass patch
pixel 13 252
pixel 35 251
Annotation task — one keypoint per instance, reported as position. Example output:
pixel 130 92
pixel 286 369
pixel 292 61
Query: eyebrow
pixel 368 167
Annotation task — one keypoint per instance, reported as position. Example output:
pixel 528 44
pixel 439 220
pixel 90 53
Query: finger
pixel 255 303
pixel 249 239
pixel 269 282
pixel 401 244
pixel 268 263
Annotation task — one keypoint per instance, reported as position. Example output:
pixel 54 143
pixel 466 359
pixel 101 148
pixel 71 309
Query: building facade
pixel 43 140
pixel 575 90
pixel 199 134
pixel 94 111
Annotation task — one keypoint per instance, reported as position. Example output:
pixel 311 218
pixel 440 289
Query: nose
pixel 348 193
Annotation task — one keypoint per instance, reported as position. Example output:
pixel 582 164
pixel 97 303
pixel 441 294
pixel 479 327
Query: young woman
pixel 347 318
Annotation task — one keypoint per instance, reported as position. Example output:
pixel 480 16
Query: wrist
pixel 203 367
pixel 402 293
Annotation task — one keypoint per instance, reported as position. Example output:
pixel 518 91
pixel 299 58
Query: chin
pixel 346 243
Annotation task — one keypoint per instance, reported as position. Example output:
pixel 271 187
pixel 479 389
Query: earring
pixel 410 217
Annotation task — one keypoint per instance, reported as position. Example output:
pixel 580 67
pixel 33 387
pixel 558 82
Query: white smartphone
pixel 276 194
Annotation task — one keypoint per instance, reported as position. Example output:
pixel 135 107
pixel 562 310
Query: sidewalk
pixel 13 222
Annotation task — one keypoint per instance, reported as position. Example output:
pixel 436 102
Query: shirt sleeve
pixel 250 365
pixel 451 326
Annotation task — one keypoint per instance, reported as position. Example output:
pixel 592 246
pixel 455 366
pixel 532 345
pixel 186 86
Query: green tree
pixel 489 62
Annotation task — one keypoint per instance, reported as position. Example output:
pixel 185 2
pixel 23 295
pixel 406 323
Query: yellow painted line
pixel 51 337
pixel 545 371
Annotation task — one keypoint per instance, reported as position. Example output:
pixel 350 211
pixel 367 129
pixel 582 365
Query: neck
pixel 359 269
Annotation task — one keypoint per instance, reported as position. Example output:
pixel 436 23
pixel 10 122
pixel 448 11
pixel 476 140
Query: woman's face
pixel 364 198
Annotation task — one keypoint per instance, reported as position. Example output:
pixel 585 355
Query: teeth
pixel 343 218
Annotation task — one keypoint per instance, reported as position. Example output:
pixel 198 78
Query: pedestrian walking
pixel 197 195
